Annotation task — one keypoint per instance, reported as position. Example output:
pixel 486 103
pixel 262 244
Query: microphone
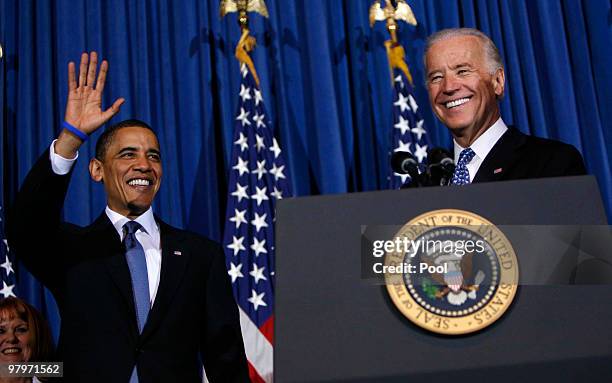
pixel 440 167
pixel 405 163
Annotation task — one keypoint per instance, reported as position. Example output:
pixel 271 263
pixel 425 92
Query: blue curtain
pixel 325 79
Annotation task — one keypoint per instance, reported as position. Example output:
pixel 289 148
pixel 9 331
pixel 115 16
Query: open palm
pixel 84 105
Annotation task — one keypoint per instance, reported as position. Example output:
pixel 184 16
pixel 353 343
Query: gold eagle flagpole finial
pixel 395 51
pixel 247 43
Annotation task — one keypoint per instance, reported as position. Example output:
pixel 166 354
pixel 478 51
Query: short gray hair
pixel 492 56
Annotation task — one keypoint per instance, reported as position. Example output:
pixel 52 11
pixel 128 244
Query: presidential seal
pixel 456 273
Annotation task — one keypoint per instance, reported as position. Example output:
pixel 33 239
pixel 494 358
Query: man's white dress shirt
pixel 482 146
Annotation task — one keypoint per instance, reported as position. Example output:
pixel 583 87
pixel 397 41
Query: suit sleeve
pixel 562 160
pixel 567 162
pixel 221 345
pixel 34 222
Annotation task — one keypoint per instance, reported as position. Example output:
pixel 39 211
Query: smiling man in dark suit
pixel 465 80
pixel 140 301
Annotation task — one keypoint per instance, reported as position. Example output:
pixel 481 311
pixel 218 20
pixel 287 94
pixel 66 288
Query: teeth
pixel 454 103
pixel 11 351
pixel 139 182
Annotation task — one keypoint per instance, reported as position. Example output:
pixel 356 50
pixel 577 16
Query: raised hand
pixel 84 105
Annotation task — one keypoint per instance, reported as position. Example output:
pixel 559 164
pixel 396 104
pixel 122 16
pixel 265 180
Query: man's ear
pixel 499 83
pixel 96 171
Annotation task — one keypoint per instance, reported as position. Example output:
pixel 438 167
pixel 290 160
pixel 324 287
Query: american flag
pixel 409 134
pixel 258 178
pixel 7 274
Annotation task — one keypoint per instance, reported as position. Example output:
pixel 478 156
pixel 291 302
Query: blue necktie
pixel 462 175
pixel 137 263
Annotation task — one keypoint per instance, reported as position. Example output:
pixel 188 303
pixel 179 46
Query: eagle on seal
pixel 458 271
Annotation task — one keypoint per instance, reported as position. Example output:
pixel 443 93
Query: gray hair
pixel 492 57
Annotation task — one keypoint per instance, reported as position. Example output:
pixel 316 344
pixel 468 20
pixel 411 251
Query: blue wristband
pixel 82 136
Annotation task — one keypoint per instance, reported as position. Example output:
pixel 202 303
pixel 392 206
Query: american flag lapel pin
pixel 176 252
pixel 497 171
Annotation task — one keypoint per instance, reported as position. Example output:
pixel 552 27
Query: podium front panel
pixel 331 325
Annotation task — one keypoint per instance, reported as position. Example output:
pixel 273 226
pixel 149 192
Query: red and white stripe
pixel 258 347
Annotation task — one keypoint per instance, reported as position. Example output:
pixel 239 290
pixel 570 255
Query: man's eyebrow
pixel 154 151
pixel 433 71
pixel 460 65
pixel 127 149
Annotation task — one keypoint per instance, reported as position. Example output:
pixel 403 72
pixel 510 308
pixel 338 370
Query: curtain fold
pixel 325 78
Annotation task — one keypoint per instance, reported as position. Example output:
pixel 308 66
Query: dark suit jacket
pixel 194 314
pixel 519 156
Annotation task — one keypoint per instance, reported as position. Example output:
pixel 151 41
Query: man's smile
pixel 457 102
pixel 140 181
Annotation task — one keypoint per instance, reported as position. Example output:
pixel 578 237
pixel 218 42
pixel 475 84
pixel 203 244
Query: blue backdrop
pixel 324 75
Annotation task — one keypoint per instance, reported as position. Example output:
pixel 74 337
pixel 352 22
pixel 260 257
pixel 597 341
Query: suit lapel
pixel 502 157
pixel 113 257
pixel 175 256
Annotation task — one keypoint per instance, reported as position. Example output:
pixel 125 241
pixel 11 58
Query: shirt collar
pixel 146 219
pixel 483 144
